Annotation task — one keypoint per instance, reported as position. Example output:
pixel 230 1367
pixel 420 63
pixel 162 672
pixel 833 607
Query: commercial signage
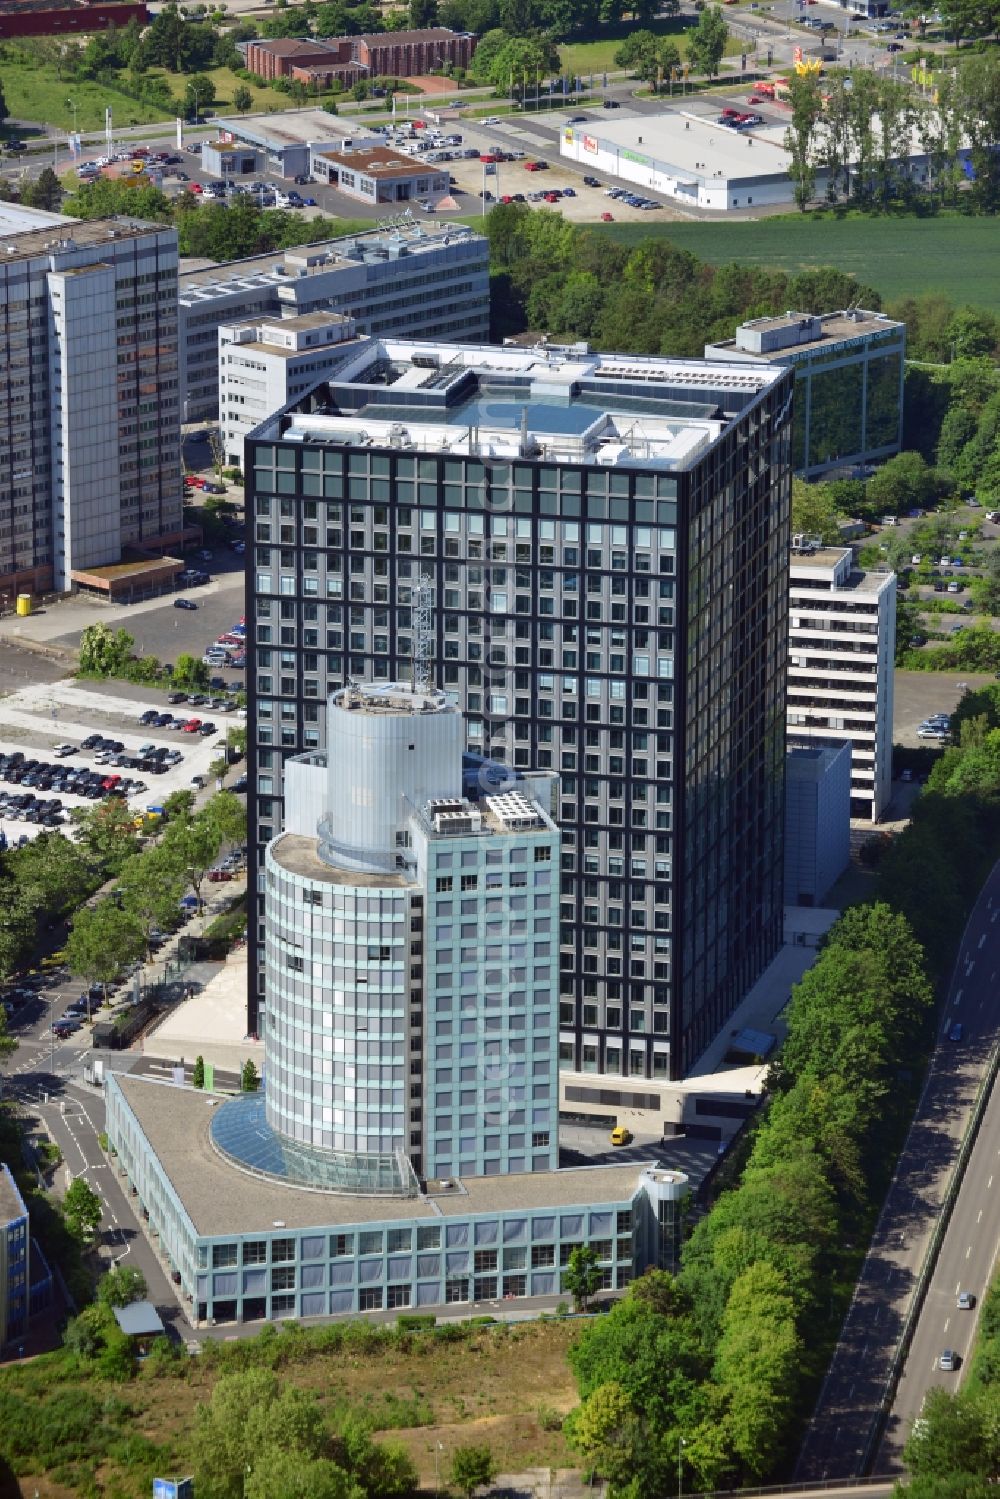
pixel 589 143
pixel 637 157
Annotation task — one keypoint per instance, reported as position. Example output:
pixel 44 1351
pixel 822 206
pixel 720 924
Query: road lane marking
pixel 947 1323
pixel 989 1184
pixel 968 1251
pixel 982 942
pixel 980 1218
pixel 958 996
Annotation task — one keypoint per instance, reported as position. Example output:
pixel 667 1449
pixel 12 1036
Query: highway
pixel 838 1439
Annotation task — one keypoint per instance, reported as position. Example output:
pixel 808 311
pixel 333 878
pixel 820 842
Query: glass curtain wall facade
pixel 625 628
pixel 848 403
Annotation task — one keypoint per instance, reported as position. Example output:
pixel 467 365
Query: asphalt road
pixel 840 1431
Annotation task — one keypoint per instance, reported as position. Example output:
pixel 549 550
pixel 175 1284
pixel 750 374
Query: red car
pixel 219 876
pixel 195 187
pixel 531 166
pixel 195 480
pixel 110 782
pixel 607 218
pixel 192 726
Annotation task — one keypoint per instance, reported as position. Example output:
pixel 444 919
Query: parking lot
pixel 38 717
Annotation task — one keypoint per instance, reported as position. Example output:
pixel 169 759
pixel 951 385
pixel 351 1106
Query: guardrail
pixel 822 1486
pixel 881 1415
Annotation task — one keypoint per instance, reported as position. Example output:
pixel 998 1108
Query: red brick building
pixel 279 58
pixel 407 54
pixel 390 54
pixel 47 18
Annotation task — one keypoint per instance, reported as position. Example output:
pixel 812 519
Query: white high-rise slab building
pixel 841 650
pixel 89 398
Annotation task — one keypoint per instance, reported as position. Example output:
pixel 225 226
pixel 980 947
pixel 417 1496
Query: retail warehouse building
pixel 696 160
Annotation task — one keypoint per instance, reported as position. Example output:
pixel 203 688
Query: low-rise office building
pixel 377 175
pixel 265 363
pixel 411 279
pixel 841 653
pixel 849 370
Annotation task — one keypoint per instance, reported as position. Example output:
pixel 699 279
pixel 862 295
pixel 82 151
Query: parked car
pixel 185 604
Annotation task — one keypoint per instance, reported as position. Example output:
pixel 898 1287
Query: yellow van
pixel 621 1136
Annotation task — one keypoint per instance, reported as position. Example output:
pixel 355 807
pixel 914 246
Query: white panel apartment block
pixel 89 397
pixel 841 652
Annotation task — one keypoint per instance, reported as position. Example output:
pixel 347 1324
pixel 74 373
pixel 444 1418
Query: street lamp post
pixel 681 1444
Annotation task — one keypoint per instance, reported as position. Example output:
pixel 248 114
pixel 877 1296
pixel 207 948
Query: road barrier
pixel 881 1415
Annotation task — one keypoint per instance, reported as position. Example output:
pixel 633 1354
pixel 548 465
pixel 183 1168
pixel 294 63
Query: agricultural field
pixel 900 257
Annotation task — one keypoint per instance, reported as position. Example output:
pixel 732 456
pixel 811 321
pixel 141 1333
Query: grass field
pixel 33 93
pixel 897 256
pixel 599 56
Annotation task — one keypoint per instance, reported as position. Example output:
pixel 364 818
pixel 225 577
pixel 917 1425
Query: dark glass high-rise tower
pixel 606 540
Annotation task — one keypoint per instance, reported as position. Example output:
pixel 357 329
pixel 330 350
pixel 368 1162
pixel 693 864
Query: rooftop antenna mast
pixel 423 634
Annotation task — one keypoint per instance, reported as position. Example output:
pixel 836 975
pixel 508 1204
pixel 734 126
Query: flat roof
pixel 204 281
pixel 693 146
pixel 299 854
pixel 299 127
pixel 836 327
pixel 221 1200
pixel 504 402
pixel 75 234
pixel 139 1319
pixel 380 161
pixel 11 1205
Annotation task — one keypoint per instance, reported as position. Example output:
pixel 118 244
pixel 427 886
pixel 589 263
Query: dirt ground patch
pixel 506 1386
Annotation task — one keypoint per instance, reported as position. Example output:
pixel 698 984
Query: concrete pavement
pixel 846 1415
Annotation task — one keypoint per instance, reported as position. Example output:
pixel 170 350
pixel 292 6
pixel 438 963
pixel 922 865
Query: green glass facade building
pixel 848 383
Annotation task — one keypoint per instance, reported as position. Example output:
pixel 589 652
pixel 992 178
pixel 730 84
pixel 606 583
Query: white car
pixel 62 750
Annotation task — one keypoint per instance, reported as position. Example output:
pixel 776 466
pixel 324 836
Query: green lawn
pixel 33 92
pixel 897 256
pixel 599 56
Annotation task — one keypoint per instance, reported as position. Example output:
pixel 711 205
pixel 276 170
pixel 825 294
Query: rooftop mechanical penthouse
pixel 606 540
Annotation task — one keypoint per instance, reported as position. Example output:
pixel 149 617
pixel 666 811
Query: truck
pixel 93 1072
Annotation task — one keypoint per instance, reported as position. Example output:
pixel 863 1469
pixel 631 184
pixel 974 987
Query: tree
pixel 807 107
pixel 190 671
pixel 103 940
pixel 582 1276
pixel 814 512
pixel 198 1072
pixel 903 482
pixel 8 1044
pixel 276 1474
pixel 192 844
pixel 707 42
pixel 249 1080
pixel 4 111
pixel 105 199
pixel 45 192
pixel 104 652
pixel 121 1286
pixel 81 1209
pixel 199 94
pixel 227 816
pixel 242 98
pixel 151 886
pixel 607 1432
pixel 472 1468
pixel 640 52
pixel 423 13
pixel 106 833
